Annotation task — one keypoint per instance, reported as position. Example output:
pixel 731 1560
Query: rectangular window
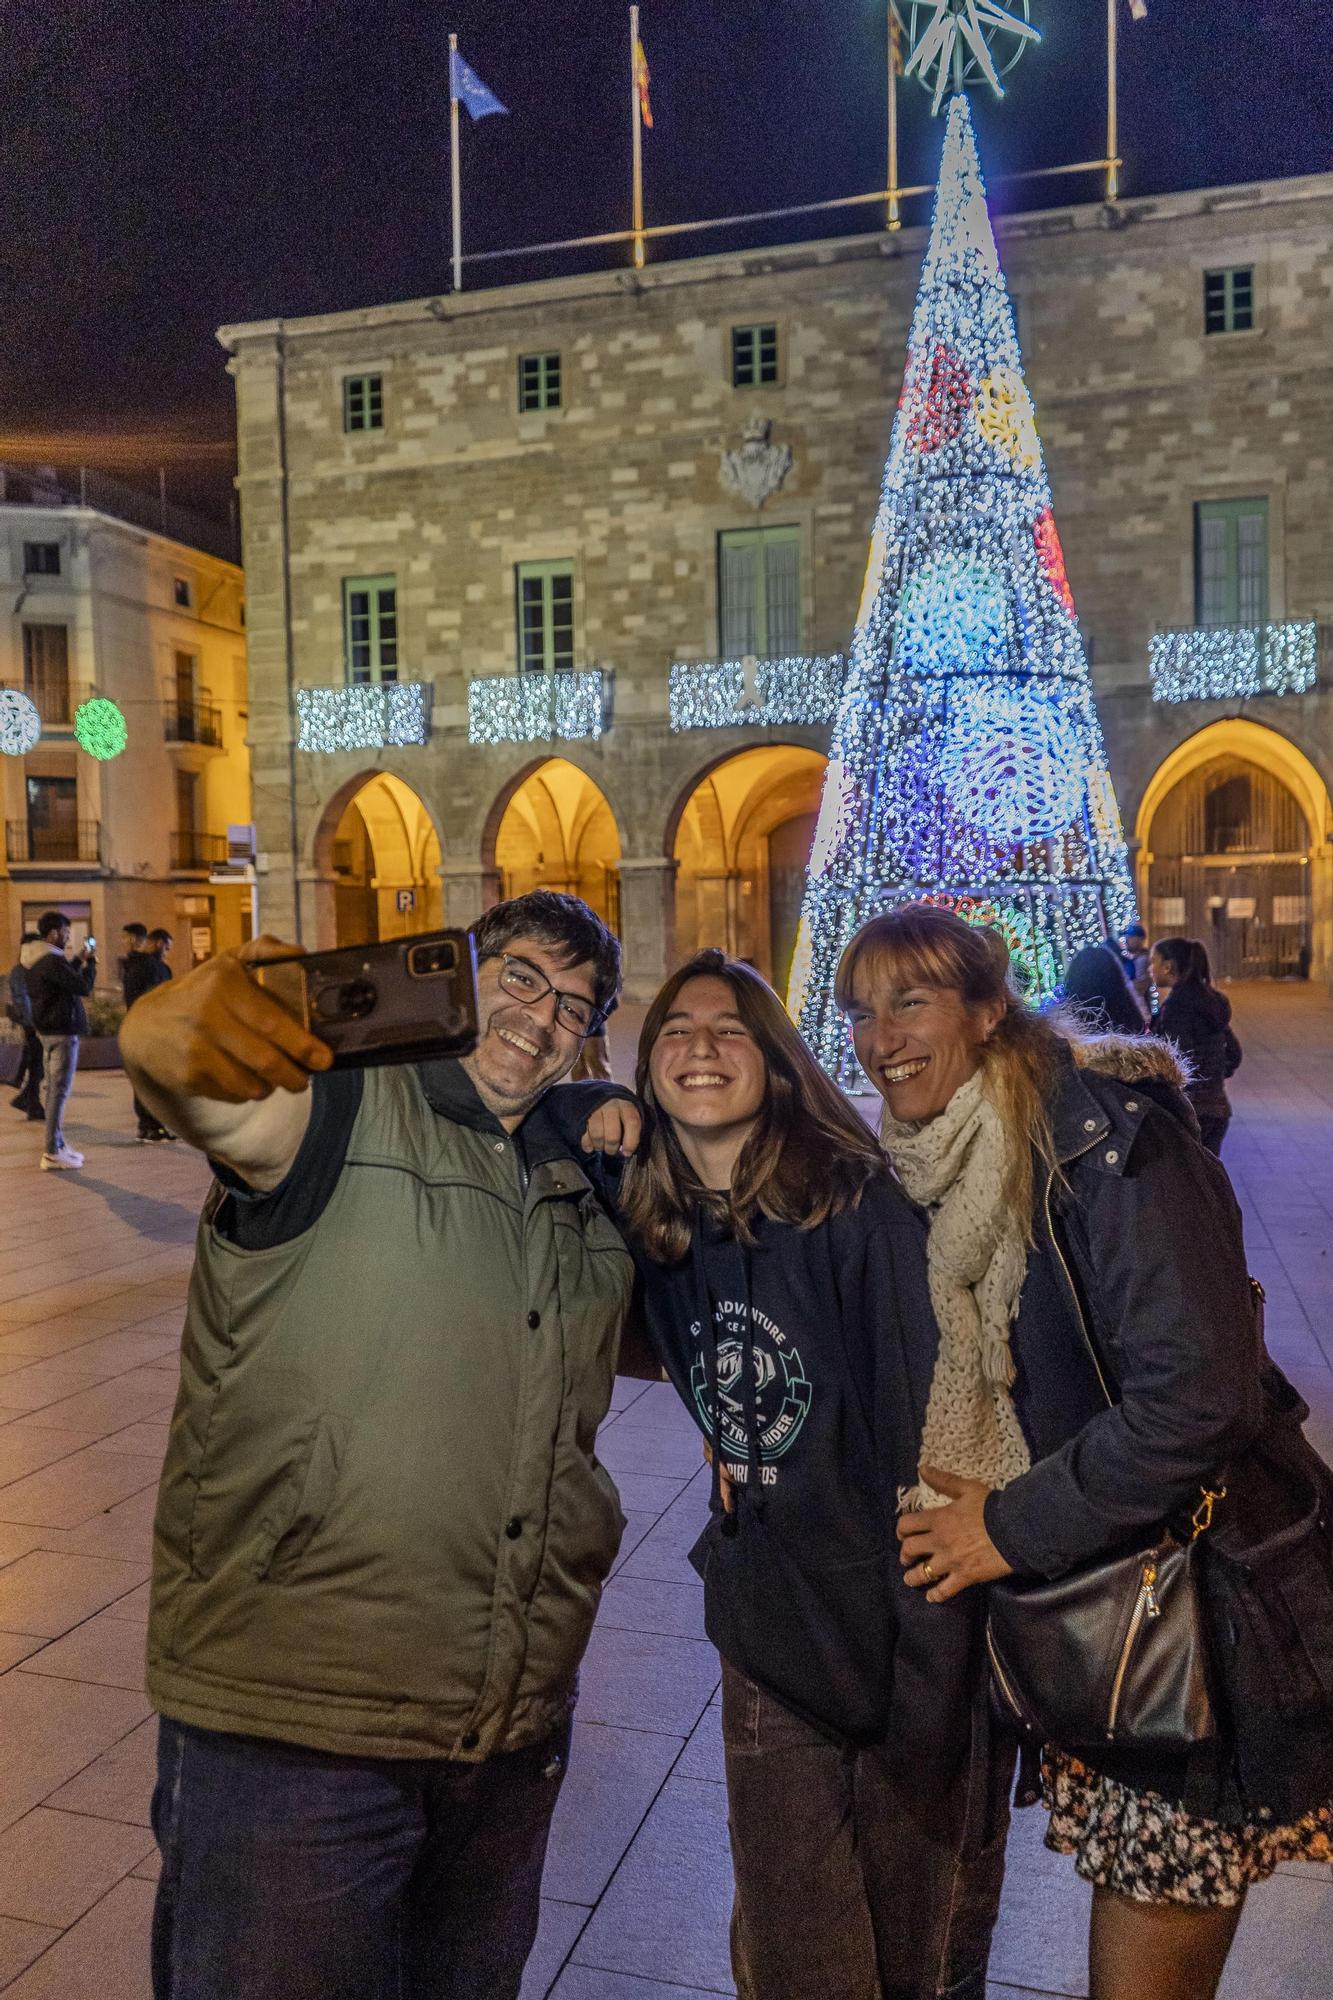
pixel 187 802
pixel 1228 300
pixel 363 402
pixel 53 819
pixel 1231 562
pixel 46 672
pixel 370 628
pixel 754 356
pixel 183 594
pixel 539 382
pixel 545 595
pixel 759 593
pixel 41 558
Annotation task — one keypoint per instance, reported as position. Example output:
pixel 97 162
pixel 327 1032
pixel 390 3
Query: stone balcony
pixel 766 693
pixel 1232 662
pixel 539 707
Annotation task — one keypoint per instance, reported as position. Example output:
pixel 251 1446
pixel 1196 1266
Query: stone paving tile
pixel 20 1944
pixel 640 1604
pixel 582 1982
pixel 118 1784
pixel 648 1493
pixel 663 1555
pixel 702 1755
pixel 106 1651
pixel 56 1865
pixel 104 1957
pixel 51 1729
pixel 28 1449
pixel 48 1593
pixel 556 1935
pixel 614 1775
pixel 643 1680
pixel 16 1646
pixel 67 1494
pixel 666 1912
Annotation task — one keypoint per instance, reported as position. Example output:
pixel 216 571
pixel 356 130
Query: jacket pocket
pixel 300 1501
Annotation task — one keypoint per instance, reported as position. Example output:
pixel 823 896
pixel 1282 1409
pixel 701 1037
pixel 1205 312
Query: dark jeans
pixel 28 1081
pixel 288 1874
pixel 850 1886
pixel 1212 1131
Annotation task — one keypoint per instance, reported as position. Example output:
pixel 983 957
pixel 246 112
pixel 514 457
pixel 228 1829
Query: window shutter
pixel 782 597
pixel 1214 606
pixel 1252 567
pixel 738 596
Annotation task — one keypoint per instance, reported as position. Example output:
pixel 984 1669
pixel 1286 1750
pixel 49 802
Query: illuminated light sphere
pixel 937 394
pixel 1051 557
pixel 1006 419
pixel 99 728
pixel 1011 762
pixel 20 723
pixel 951 612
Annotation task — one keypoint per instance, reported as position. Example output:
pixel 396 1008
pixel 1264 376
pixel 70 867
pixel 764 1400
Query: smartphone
pixel 403 1000
pixel 90 944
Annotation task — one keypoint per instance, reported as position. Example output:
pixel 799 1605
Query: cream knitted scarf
pixel 954 1166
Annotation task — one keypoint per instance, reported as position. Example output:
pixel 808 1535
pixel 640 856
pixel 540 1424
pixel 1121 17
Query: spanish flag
pixel 641 84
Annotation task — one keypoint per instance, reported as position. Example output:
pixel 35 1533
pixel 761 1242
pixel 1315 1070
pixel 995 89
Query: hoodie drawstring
pixel 750 1392
pixel 704 1307
pixel 749 1397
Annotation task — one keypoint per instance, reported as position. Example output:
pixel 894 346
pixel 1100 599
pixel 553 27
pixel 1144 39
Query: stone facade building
pixel 101 608
pixel 548 582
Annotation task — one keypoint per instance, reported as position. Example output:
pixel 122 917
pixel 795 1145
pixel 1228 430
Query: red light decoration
pixel 938 393
pixel 1052 558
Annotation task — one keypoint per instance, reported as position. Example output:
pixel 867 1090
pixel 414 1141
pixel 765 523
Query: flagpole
pixel 1112 107
pixel 455 178
pixel 637 129
pixel 893 219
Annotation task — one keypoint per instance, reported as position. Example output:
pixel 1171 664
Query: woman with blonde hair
pixel 783 1283
pixel 1098 1367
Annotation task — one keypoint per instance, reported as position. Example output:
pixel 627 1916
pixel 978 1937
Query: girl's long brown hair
pixel 920 944
pixel 808 1157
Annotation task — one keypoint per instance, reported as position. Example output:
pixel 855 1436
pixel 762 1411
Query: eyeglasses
pixel 526 983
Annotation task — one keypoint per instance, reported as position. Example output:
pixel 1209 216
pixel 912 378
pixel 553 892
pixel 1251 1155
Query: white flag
pixel 1139 9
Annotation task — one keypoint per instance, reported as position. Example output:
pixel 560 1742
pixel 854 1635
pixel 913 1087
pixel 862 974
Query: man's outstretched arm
pixel 222 1063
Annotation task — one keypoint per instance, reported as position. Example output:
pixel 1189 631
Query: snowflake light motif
pixel 20 723
pixel 960 42
pixel 1006 419
pixel 937 393
pixel 952 611
pixel 99 728
pixel 1010 761
pixel 1051 557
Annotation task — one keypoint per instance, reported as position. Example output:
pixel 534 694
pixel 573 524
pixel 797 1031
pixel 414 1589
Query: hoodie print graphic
pixel 781 1388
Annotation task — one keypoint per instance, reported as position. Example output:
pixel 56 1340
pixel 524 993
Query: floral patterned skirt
pixel 1142 1846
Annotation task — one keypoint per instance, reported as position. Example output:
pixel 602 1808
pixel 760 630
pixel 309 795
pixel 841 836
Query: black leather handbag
pixel 1113 1654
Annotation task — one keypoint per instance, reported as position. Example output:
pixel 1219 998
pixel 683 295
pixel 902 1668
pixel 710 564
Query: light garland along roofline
pixel 374 715
pixel 1233 662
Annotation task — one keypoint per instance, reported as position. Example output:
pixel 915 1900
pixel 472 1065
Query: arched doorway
pixel 1233 829
pixel 385 857
pixel 742 845
pixel 558 832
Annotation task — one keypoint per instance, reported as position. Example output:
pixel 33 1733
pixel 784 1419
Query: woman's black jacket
pixel 1197 1018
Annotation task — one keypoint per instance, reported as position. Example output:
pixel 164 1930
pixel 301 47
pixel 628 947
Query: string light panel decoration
pixel 730 694
pixel 20 723
pixel 374 715
pixel 967 764
pixel 1232 662
pixel 537 708
pixel 100 729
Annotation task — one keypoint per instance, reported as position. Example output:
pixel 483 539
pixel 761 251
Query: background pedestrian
pixel 57 987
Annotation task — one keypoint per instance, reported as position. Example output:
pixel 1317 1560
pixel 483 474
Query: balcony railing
pixel 375 715
pixel 1231 662
pixel 198 852
pixel 26 844
pixel 537 707
pixel 190 721
pixel 731 694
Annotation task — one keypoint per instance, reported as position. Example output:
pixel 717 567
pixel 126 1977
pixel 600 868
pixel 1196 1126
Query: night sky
pixel 167 168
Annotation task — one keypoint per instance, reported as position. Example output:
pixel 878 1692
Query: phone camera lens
pixel 428 961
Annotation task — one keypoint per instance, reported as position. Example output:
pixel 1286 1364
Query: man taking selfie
pixel 382 1531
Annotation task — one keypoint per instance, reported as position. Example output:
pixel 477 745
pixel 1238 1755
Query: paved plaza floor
pixel 93 1270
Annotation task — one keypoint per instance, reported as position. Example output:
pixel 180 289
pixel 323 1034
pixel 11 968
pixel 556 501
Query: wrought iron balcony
pixel 197 853
pixel 1231 662
pixel 190 721
pixel 538 708
pixel 28 845
pixel 731 694
pixel 372 715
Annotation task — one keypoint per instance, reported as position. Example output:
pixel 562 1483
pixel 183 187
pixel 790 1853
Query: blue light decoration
pixel 731 694
pixel 1233 662
pixel 537 707
pixel 967 764
pixel 373 715
pixel 20 723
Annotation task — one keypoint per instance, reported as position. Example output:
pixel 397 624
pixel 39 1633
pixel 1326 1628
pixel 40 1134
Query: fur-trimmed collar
pixel 1132 1058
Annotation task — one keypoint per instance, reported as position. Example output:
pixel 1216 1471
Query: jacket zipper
pixel 1003 1681
pixel 1073 1294
pixel 1145 1607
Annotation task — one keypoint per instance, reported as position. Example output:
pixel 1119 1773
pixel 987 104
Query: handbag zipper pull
pixel 1152 1609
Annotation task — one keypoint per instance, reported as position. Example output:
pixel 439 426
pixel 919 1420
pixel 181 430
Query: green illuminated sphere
pixel 99 728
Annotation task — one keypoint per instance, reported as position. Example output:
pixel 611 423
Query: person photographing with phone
pixel 382 1530
pixel 57 988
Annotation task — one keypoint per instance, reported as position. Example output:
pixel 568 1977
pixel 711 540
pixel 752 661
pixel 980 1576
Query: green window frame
pixel 754 355
pixel 759 593
pixel 544 608
pixel 539 381
pixel 363 402
pixel 1231 562
pixel 370 628
pixel 1228 299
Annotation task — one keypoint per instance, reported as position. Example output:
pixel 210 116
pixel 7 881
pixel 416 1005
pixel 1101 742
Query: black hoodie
pixel 823 1342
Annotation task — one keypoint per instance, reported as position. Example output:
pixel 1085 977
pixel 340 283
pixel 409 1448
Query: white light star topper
pixel 965 41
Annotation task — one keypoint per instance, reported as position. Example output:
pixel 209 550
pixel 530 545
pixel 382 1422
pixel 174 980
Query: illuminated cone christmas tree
pixel 967 766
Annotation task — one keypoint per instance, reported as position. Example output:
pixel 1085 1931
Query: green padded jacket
pixel 382 1528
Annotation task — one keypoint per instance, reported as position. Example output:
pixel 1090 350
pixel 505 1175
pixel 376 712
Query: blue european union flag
pixel 468 88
